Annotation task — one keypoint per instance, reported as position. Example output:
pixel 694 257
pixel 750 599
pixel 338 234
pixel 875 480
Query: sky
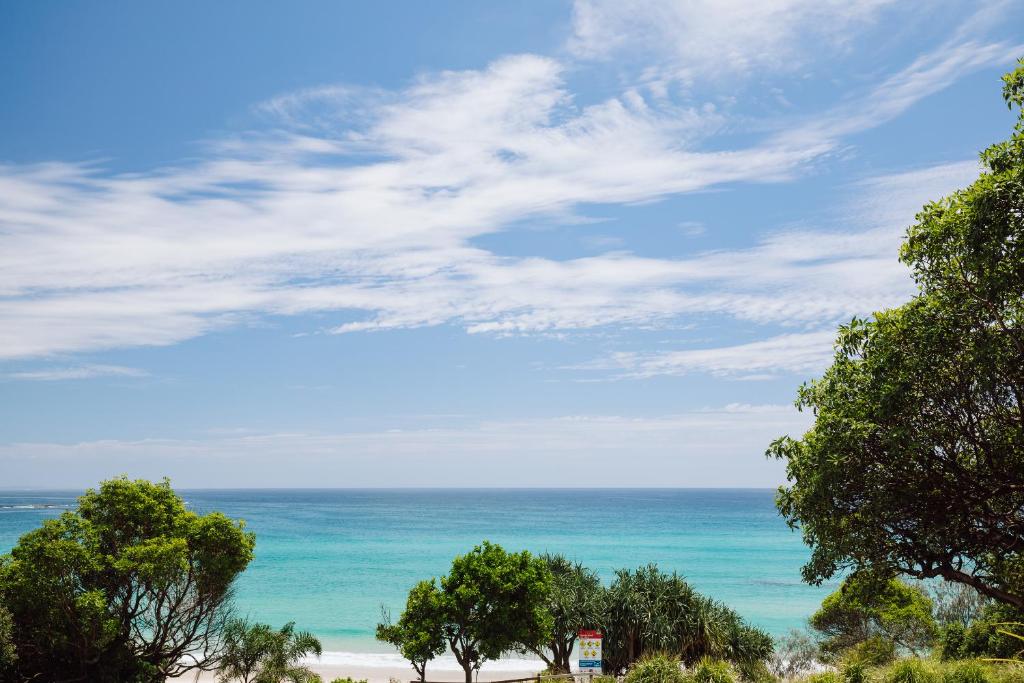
pixel 392 244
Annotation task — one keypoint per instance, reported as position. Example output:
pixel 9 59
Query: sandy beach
pixel 340 665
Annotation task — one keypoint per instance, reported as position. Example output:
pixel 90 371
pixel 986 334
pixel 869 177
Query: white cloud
pixel 88 371
pixel 801 353
pixel 374 221
pixel 689 449
pixel 713 37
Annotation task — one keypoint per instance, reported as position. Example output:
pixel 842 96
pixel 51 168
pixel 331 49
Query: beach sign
pixel 590 651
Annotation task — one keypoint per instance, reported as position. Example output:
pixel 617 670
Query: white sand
pixel 376 669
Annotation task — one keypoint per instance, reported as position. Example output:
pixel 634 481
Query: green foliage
pixel 575 602
pixel 605 679
pixel 656 668
pixel 854 671
pixel 913 671
pixel 494 602
pixel 256 653
pixel 915 461
pixel 348 679
pixel 8 655
pixel 710 670
pixel 418 635
pixel 649 611
pixel 122 588
pixel 875 651
pixel 986 637
pixel 824 677
pixel 866 608
pixel 966 672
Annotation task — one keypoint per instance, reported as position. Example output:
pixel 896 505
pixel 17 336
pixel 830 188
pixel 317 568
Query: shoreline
pixel 376 667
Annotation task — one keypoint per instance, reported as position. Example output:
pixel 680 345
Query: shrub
pixel 712 671
pixel 824 677
pixel 875 651
pixel 605 679
pixel 966 672
pixel 854 671
pixel 912 671
pixel 658 668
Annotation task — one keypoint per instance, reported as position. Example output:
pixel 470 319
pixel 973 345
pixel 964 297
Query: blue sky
pixel 459 243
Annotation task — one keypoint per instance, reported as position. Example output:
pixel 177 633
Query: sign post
pixel 590 651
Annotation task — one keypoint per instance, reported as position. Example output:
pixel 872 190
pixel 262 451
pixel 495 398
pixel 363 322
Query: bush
pixel 912 671
pixel 605 679
pixel 854 671
pixel 875 651
pixel 966 672
pixel 824 677
pixel 349 679
pixel 658 668
pixel 712 671
pixel 755 671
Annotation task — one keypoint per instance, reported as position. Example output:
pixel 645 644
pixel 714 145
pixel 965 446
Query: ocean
pixel 331 559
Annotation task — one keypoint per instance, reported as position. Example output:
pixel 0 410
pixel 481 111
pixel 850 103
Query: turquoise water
pixel 328 559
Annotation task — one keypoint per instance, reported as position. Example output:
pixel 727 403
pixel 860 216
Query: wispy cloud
pixel 56 374
pixel 374 220
pixel 711 38
pixel 800 353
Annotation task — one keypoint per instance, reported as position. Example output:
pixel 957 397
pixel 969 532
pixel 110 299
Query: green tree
pixel 494 602
pixel 576 601
pixel 419 633
pixel 130 587
pixel 649 611
pixel 915 461
pixel 256 653
pixel 865 608
pixel 7 652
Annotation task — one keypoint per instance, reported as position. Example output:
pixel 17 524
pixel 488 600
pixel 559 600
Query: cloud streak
pixel 375 221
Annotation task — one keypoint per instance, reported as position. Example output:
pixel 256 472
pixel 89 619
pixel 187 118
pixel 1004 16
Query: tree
pixel 256 653
pixel 955 603
pixel 649 611
pixel 866 608
pixel 576 601
pixel 915 461
pixel 419 633
pixel 7 653
pixel 131 586
pixel 494 602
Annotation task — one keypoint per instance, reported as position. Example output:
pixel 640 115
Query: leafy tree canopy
pixel 915 462
pixel 865 608
pixel 419 633
pixel 494 602
pixel 7 652
pixel 130 587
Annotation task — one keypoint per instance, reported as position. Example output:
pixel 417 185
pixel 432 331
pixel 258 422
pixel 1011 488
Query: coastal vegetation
pixel 257 653
pixel 539 605
pixel 130 586
pixel 915 463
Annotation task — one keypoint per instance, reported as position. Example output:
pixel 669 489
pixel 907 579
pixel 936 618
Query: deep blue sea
pixel 329 559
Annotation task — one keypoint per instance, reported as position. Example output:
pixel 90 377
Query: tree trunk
pixel 468 668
